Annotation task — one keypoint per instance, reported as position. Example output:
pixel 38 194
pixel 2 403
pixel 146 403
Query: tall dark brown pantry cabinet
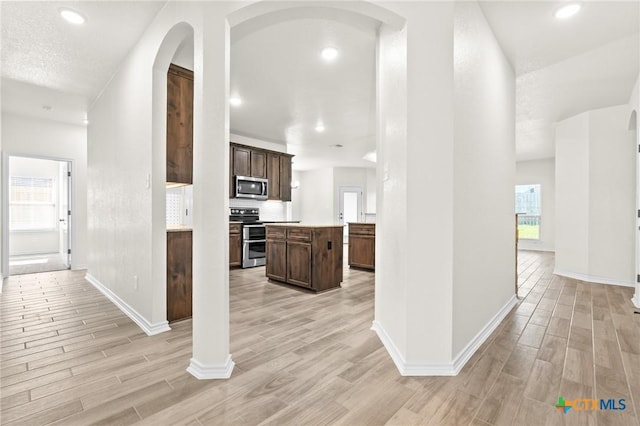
pixel 179 125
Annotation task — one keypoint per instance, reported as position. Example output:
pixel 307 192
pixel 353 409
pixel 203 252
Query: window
pixel 32 204
pixel 528 211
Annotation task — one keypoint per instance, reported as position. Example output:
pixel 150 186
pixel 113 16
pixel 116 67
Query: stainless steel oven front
pixel 254 245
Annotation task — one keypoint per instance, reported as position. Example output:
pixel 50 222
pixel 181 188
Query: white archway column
pixel 414 253
pixel 211 351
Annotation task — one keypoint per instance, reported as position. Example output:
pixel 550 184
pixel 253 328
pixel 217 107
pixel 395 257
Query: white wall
pixel 317 200
pixel 634 104
pixel 540 172
pixel 314 200
pixel 572 194
pixel 595 186
pixel 370 206
pixel 612 194
pixel 28 136
pixel 484 167
pixel 36 242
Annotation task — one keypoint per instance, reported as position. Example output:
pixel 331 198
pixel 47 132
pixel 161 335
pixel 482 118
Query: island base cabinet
pixel 179 275
pixel 304 256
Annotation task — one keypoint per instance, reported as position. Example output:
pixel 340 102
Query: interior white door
pixel 64 192
pixel 350 207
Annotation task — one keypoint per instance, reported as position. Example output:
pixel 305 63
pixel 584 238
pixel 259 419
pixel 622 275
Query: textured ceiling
pixel 563 68
pixel 42 49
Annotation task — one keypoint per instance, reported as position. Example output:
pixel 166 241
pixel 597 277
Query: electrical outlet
pixel 135 283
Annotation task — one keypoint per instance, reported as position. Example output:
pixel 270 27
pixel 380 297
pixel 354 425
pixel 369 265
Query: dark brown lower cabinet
pixel 305 256
pixel 179 275
pixel 299 263
pixel 362 245
pixel 235 244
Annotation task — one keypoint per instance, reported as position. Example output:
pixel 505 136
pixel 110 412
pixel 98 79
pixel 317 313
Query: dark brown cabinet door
pixel 273 174
pixel 285 178
pixel 179 275
pixel 299 263
pixel 241 162
pixel 276 261
pixel 179 125
pixel 235 245
pixel 362 251
pixel 362 245
pixel 258 164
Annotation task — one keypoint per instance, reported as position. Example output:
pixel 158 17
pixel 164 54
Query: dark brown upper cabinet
pixel 273 174
pixel 179 125
pixel 261 163
pixel 285 177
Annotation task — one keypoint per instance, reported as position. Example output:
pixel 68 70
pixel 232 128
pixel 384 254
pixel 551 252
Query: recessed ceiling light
pixel 329 53
pixel 235 101
pixel 85 121
pixel 320 128
pixel 567 10
pixel 72 16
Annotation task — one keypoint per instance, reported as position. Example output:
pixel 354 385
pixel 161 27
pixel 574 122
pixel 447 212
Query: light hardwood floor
pixel 70 357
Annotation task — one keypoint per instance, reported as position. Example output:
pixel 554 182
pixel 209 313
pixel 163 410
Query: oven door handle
pixel 253 226
pixel 255 241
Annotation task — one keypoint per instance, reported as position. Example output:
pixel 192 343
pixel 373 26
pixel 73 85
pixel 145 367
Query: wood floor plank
pixel 312 359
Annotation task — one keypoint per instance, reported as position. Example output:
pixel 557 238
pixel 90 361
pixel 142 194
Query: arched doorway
pixel 211 359
pixel 178 41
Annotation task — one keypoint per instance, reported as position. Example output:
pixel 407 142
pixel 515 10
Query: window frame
pixel 538 216
pixel 38 227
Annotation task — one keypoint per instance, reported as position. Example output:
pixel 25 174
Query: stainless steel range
pixel 254 243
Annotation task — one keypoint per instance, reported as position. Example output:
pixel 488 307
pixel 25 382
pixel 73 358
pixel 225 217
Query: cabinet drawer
pixel 361 229
pixel 299 234
pixel 276 233
pixel 234 228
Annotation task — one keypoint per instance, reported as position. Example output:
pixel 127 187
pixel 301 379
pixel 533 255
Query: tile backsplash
pixel 269 210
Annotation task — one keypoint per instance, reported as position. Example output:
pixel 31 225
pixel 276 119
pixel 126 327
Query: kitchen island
pixel 308 256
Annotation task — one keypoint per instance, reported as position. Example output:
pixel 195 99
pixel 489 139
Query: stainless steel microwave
pixel 250 187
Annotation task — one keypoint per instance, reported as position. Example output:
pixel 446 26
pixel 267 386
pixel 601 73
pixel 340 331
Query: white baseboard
pixel 542 249
pixel 205 372
pixel 593 278
pixel 149 328
pixel 465 354
pixel 448 368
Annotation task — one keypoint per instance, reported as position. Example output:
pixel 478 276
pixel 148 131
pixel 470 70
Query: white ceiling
pixel 67 65
pixel 288 88
pixel 563 68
